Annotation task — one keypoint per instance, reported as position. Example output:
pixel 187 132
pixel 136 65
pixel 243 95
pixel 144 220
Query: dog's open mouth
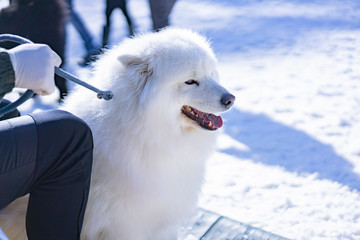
pixel 206 120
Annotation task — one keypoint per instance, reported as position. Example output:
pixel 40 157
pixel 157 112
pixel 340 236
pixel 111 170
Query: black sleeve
pixel 7 74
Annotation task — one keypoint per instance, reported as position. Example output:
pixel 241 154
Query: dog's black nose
pixel 228 100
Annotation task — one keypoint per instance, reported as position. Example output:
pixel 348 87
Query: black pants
pixel 48 155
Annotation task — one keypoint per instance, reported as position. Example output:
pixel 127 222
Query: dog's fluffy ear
pixel 141 65
pixel 140 69
pixel 128 60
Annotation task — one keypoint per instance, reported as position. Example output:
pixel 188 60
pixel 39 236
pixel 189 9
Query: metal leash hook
pixel 107 95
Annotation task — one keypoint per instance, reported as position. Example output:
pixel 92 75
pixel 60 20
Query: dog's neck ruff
pixel 208 121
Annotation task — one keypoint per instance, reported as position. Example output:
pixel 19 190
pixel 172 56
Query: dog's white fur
pixel 149 158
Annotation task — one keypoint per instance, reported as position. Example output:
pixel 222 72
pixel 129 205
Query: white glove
pixel 34 67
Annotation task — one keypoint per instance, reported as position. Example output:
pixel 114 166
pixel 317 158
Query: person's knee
pixel 85 143
pixel 82 137
pixel 79 127
pixel 61 128
pixel 62 134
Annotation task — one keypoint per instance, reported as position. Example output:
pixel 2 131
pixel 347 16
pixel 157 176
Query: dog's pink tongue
pixel 211 120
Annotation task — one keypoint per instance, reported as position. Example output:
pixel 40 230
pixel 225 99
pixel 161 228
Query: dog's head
pixel 174 71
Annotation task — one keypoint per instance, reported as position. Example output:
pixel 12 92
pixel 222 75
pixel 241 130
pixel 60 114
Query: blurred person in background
pixel 92 49
pixel 160 11
pixel 41 21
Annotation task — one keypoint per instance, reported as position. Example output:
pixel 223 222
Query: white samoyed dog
pixel 152 139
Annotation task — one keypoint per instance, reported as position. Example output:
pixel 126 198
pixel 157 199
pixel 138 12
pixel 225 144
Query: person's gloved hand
pixel 34 66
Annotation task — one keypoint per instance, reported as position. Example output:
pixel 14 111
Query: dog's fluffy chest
pixel 145 164
pixel 156 184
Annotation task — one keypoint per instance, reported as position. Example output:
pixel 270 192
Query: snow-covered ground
pixel 288 160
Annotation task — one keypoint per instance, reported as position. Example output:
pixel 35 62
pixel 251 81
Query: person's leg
pixel 18 140
pixel 80 27
pixel 57 202
pixel 49 155
pixel 107 26
pixel 82 30
pixel 160 11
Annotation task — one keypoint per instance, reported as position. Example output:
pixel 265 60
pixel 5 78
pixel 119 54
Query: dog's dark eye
pixel 192 81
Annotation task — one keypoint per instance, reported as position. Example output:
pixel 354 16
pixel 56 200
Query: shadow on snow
pixel 273 143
